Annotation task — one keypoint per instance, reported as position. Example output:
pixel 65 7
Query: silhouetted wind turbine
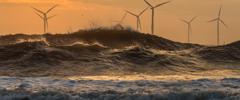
pixel 45 17
pixel 122 19
pixel 219 21
pixel 139 26
pixel 189 23
pixel 153 11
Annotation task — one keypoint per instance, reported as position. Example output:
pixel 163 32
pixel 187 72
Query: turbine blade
pixel 193 19
pixel 131 13
pixel 39 15
pixel 51 8
pixel 51 17
pixel 213 20
pixel 38 10
pixel 162 4
pixel 223 23
pixel 220 11
pixel 143 11
pixel 148 3
pixel 124 16
pixel 184 21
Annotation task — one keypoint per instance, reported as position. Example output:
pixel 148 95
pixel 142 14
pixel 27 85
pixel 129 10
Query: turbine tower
pixel 189 23
pixel 139 26
pixel 45 17
pixel 219 21
pixel 153 11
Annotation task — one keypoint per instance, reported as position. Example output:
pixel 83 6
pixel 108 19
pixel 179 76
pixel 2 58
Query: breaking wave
pixel 110 51
pixel 227 53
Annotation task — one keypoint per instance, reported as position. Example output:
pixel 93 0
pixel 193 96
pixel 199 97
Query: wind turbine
pixel 189 23
pixel 153 11
pixel 45 17
pixel 119 22
pixel 139 26
pixel 219 21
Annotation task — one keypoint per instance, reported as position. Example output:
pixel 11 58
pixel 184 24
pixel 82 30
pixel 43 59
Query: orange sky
pixel 18 17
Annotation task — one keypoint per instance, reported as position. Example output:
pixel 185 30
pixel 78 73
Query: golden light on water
pixel 213 74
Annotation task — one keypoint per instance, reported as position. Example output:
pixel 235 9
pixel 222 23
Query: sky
pixel 17 16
